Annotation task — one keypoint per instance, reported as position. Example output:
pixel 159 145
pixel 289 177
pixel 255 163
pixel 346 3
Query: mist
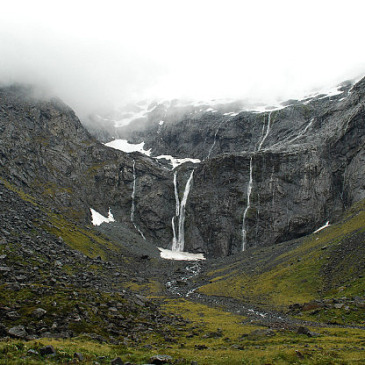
pixel 101 55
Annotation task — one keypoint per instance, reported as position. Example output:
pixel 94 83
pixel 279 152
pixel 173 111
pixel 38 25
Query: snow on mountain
pixel 125 146
pixel 98 218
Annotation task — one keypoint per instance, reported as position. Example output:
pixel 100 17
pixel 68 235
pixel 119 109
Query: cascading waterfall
pixel 250 182
pixel 133 208
pixel 179 241
pixel 215 139
pixel 267 131
pixel 177 212
pixel 249 189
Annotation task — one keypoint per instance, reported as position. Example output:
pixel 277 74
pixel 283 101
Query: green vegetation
pixel 321 266
pixel 212 337
pixel 88 242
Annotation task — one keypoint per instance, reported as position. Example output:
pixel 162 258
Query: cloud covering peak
pixel 104 54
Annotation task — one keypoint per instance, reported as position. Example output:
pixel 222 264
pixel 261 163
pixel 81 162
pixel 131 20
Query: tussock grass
pixel 303 273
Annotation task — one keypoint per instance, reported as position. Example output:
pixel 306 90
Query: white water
pixel 267 131
pixel 249 189
pixel 215 139
pixel 176 194
pixel 250 183
pixel 133 208
pixel 177 212
pixel 179 242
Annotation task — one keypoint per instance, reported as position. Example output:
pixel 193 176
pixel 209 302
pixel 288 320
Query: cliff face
pixel 264 177
pixel 45 150
pixel 306 162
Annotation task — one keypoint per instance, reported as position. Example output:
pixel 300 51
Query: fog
pixel 104 54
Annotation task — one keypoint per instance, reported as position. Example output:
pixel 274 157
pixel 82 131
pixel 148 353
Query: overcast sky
pixel 105 53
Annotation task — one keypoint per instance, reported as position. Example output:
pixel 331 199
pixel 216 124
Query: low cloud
pixel 106 55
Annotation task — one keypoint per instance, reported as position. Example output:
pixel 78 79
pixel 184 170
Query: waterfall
pixel 133 208
pixel 179 242
pixel 250 183
pixel 267 131
pixel 249 189
pixel 176 195
pixel 177 212
pixel 215 139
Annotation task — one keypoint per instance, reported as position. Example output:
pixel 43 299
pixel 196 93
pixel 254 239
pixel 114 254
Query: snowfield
pixel 181 256
pixel 125 146
pixel 98 219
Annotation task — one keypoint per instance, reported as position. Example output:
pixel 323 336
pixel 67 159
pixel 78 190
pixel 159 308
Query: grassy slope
pixel 320 266
pixel 296 276
pixel 213 337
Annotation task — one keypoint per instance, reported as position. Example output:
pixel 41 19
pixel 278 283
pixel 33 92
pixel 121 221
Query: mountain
pixel 287 183
pixel 265 176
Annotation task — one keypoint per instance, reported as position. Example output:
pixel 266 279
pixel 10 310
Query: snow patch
pixel 125 146
pixel 98 219
pixel 231 114
pixel 180 256
pixel 177 161
pixel 323 227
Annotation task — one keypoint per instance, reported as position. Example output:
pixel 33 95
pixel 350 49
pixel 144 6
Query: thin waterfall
pixel 249 189
pixel 177 212
pixel 250 183
pixel 215 139
pixel 178 242
pixel 133 208
pixel 267 131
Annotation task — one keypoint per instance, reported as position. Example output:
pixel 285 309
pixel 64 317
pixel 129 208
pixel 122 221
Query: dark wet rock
pixel 47 350
pixel 117 361
pixel 79 356
pixel 3 330
pixel 305 331
pixel 200 347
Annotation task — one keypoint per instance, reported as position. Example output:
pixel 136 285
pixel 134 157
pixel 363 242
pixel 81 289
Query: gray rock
pixel 32 352
pixel 39 313
pixel 18 331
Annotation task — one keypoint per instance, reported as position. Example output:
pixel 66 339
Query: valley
pixel 278 284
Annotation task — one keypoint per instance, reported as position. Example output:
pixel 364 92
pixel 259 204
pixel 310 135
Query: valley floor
pixel 299 302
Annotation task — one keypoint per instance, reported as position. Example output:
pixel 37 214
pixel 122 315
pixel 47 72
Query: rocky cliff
pixel 265 177
pixel 46 151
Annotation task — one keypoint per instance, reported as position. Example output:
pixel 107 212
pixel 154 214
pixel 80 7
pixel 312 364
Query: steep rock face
pixel 45 150
pixel 274 175
pixel 299 181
